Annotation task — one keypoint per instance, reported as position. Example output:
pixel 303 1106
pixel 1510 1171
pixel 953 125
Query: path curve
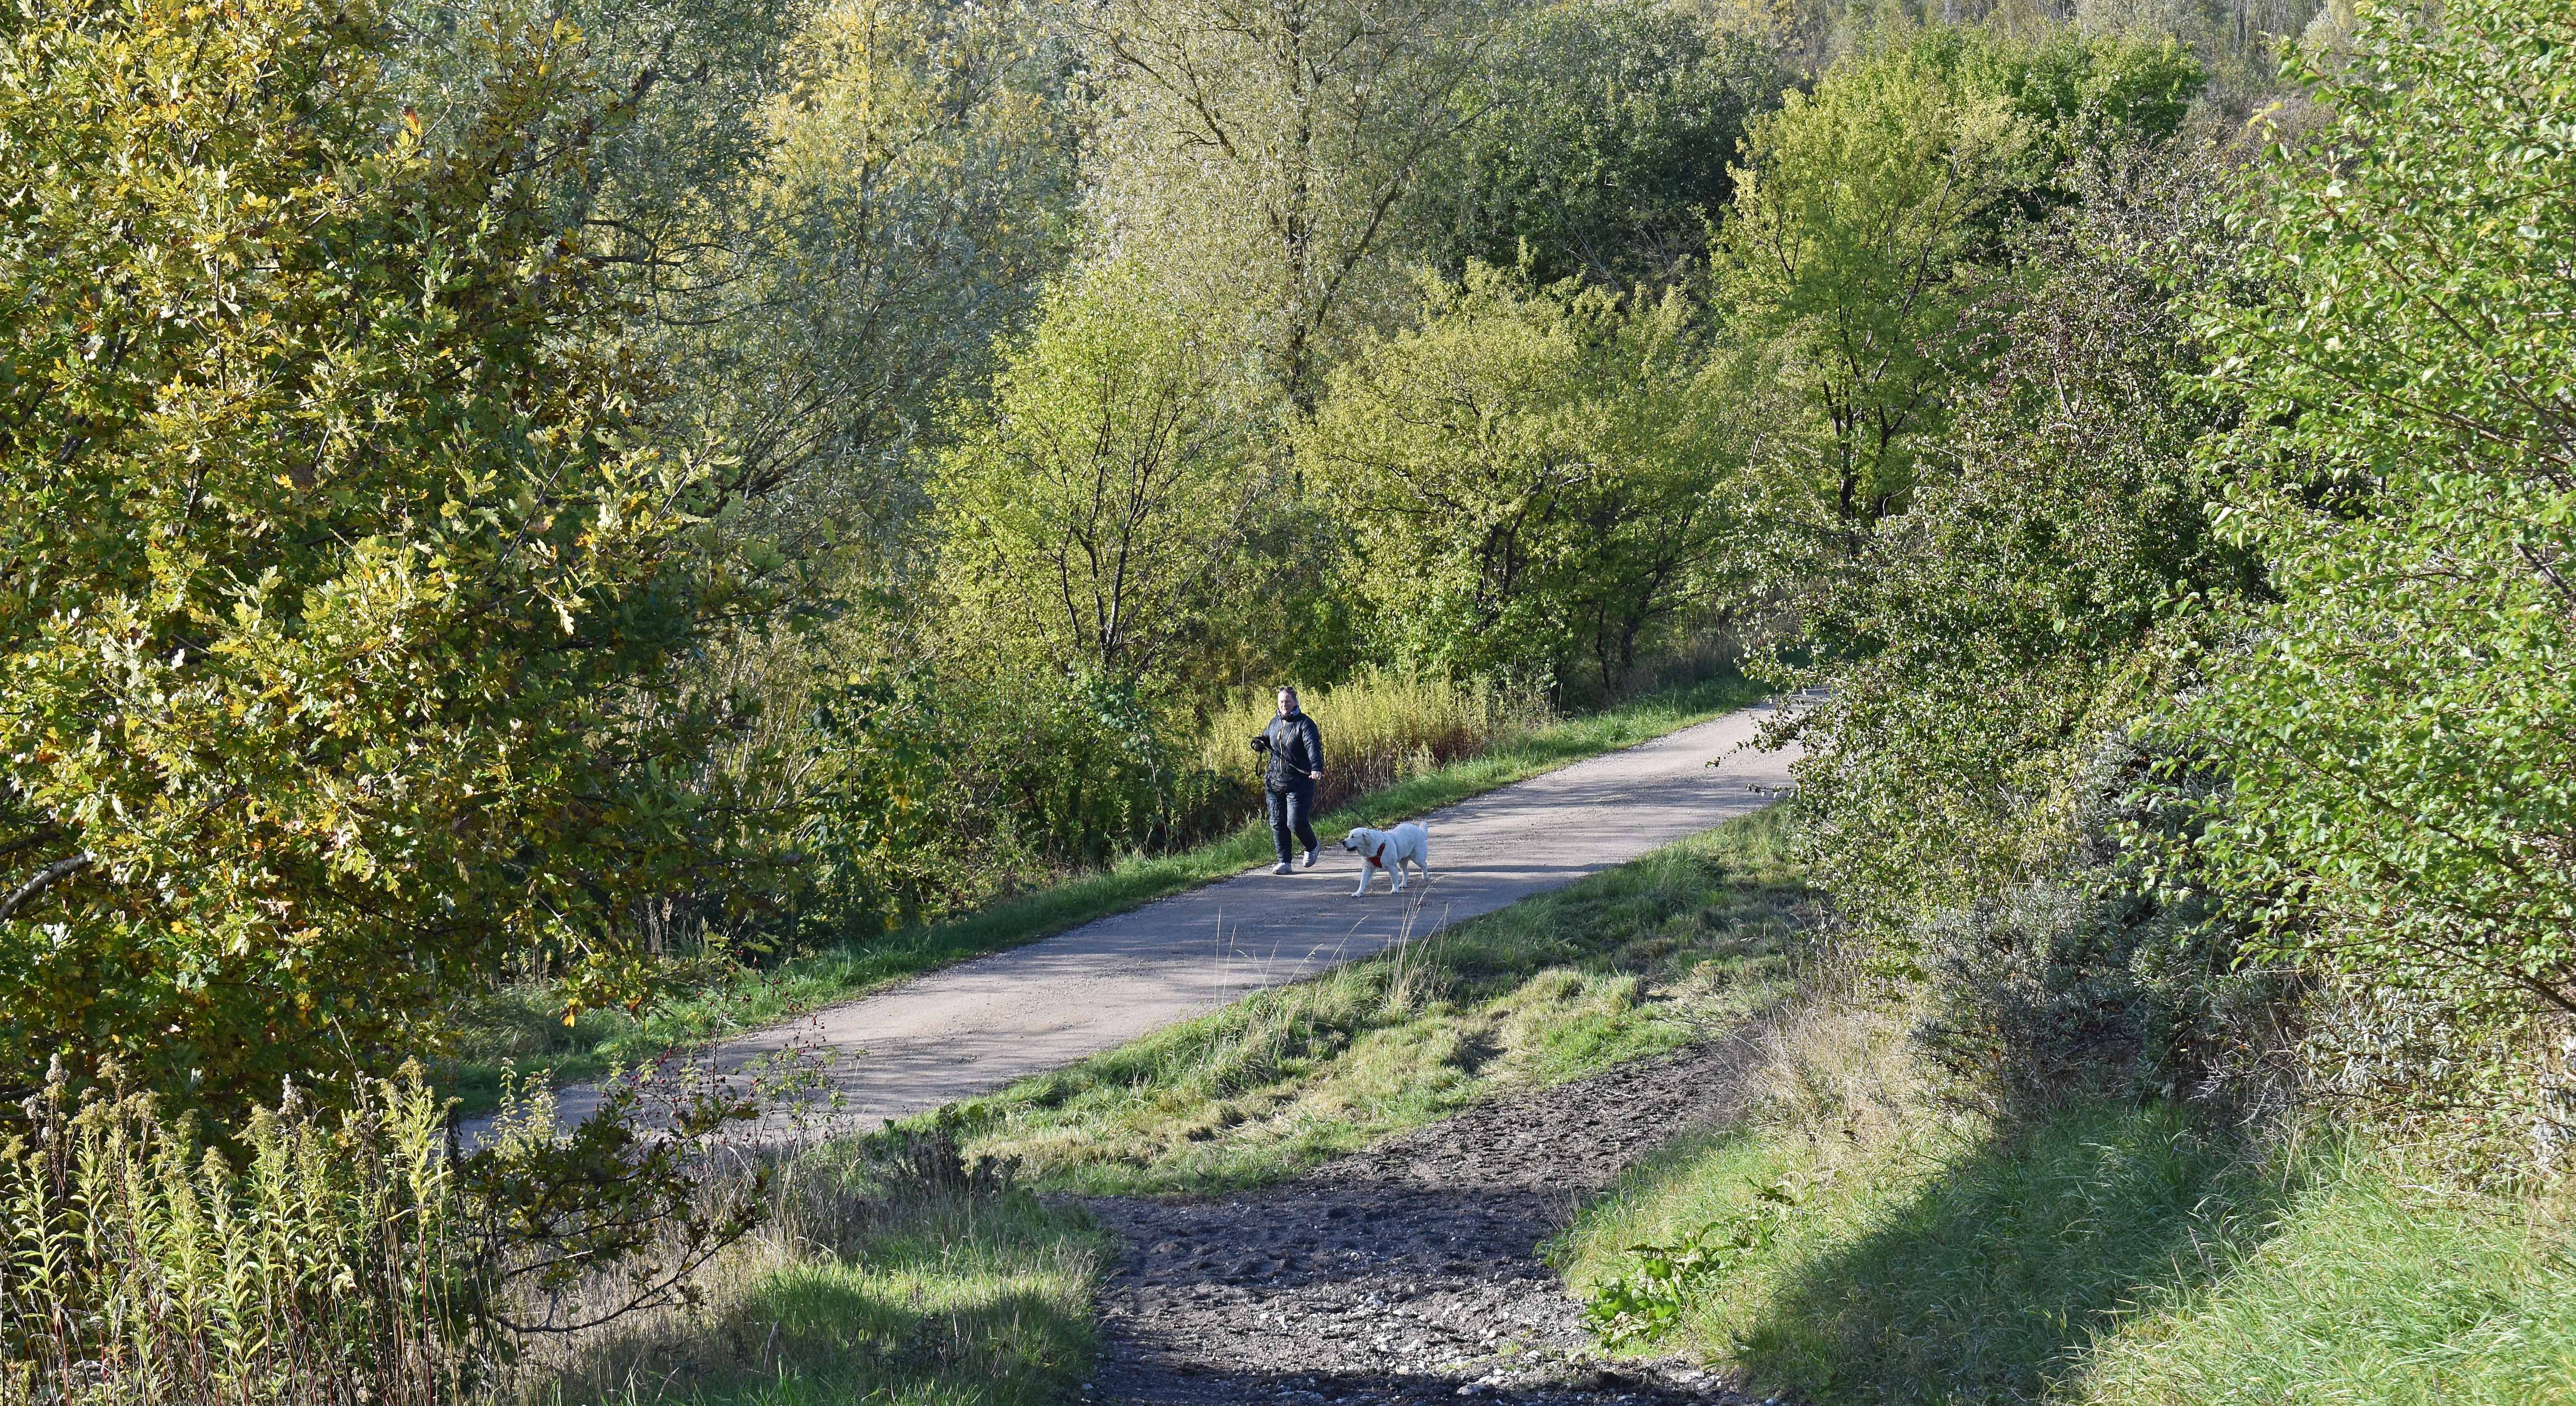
pixel 974 1027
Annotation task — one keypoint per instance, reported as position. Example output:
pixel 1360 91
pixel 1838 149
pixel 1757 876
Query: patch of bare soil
pixel 1409 1272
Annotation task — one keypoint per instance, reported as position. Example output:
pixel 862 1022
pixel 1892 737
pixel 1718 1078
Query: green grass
pixel 924 1297
pixel 2375 1285
pixel 2110 1253
pixel 522 1026
pixel 1627 963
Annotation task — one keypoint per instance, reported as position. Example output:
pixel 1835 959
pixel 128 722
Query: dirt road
pixel 974 1027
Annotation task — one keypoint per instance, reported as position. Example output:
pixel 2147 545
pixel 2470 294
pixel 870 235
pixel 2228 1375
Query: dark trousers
pixel 1288 811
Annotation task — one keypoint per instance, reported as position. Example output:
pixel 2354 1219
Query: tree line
pixel 513 493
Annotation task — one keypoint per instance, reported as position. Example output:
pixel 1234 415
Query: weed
pixel 1672 1275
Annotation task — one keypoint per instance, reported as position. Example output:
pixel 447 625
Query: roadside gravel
pixel 1407 1273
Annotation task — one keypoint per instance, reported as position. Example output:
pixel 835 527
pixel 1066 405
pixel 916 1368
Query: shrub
pixel 927 793
pixel 2401 807
pixel 344 592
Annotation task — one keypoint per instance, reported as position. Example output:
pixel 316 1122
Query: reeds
pixel 1379 728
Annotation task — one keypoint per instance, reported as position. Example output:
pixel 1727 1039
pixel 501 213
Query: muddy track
pixel 1409 1272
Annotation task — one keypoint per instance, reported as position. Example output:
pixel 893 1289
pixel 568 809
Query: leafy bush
pixel 2401 809
pixel 344 595
pixel 1986 646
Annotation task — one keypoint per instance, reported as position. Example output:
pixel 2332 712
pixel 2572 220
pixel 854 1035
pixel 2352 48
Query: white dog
pixel 1390 850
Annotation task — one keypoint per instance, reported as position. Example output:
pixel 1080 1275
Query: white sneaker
pixel 1310 859
pixel 1281 868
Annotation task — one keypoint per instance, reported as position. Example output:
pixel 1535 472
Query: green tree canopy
pixel 338 576
pixel 1094 509
pixel 1256 154
pixel 1534 477
pixel 1603 144
pixel 2397 726
pixel 1871 211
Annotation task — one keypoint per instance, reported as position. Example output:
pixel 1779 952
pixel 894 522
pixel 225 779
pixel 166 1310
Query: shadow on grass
pixel 944 1301
pixel 1989 1282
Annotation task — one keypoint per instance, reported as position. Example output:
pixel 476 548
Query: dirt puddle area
pixel 1410 1272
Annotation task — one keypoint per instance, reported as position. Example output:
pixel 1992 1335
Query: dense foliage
pixel 2395 729
pixel 1992 641
pixel 1603 148
pixel 566 499
pixel 1533 477
pixel 347 567
pixel 496 498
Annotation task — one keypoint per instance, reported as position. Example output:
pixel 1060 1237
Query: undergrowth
pixel 523 1025
pixel 897 1273
pixel 1627 963
pixel 1862 1239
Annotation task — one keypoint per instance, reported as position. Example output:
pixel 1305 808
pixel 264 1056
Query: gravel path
pixel 1407 1273
pixel 974 1027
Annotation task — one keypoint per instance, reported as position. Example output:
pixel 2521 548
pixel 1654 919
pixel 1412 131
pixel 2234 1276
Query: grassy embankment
pixel 2116 1254
pixel 522 1025
pixel 910 1288
pixel 1624 964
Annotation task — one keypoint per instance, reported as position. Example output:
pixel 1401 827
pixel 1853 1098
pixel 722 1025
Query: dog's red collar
pixel 1378 860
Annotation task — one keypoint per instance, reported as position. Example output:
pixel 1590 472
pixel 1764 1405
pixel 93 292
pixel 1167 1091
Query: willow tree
pixel 1259 152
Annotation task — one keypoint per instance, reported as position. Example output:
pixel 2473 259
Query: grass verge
pixel 875 1284
pixel 1627 963
pixel 1882 1247
pixel 523 1025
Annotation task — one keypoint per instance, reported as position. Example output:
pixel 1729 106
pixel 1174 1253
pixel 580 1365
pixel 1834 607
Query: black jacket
pixel 1296 750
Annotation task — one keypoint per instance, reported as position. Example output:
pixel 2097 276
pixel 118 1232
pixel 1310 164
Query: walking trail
pixel 974 1027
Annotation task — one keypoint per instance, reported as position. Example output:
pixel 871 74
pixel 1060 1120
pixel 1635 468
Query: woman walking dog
pixel 1295 748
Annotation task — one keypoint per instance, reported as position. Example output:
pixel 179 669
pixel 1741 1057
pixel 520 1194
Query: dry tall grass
pixel 313 1256
pixel 1380 728
pixel 142 1269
